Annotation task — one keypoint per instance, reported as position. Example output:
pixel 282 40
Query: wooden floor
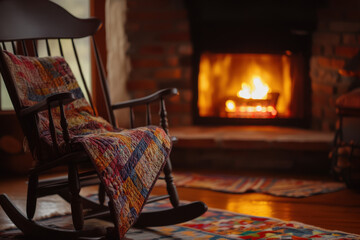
pixel 340 210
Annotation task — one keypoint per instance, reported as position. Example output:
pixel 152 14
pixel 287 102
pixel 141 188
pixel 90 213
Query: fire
pixel 244 85
pixel 257 90
pixel 230 105
pixel 254 100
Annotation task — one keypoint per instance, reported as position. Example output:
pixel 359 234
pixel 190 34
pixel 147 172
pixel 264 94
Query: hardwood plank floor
pixel 339 210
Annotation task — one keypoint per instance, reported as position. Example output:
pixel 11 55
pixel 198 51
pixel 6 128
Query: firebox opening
pixel 258 86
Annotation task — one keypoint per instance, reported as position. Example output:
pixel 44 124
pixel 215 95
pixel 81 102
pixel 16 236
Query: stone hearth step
pixel 251 147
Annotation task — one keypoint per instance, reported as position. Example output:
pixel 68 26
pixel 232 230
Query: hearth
pixel 251 61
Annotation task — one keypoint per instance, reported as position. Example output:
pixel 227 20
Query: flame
pixel 230 105
pixel 257 90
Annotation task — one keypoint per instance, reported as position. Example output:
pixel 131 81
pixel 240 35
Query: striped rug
pixel 239 184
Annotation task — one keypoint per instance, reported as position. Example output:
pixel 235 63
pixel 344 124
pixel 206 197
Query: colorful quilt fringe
pixel 128 162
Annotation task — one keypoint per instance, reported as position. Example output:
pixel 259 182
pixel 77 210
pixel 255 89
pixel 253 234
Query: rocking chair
pixel 23 24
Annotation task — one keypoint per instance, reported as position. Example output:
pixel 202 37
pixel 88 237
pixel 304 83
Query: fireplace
pixel 249 86
pixel 251 61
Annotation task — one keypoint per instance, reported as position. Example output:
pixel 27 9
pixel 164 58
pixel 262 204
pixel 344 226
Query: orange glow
pixel 257 90
pixel 244 85
pixel 230 105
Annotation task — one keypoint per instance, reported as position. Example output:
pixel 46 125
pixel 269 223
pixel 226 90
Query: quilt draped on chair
pixel 128 161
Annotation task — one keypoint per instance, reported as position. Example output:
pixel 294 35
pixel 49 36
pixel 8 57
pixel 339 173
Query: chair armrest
pixel 145 100
pixel 53 100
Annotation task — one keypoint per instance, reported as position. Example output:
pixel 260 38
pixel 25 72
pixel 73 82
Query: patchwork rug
pixel 238 184
pixel 219 224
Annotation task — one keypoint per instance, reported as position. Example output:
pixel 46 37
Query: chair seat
pixel 349 100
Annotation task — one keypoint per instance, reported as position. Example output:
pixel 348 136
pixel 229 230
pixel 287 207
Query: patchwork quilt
pixel 128 161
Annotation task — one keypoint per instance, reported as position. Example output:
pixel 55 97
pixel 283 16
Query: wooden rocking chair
pixel 23 24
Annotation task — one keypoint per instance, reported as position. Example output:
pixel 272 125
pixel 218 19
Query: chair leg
pixel 31 196
pixel 76 202
pixel 170 186
pixel 101 194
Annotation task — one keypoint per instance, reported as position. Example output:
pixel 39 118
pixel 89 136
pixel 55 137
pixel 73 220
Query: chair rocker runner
pixel 62 129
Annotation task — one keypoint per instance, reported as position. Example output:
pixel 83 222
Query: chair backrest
pixel 24 23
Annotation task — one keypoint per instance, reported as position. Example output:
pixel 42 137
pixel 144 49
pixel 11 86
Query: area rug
pixel 238 184
pixel 219 224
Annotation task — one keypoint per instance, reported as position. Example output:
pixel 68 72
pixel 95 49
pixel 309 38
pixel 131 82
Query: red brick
pixel 178 108
pixel 183 26
pixel 175 99
pixel 175 37
pixel 330 113
pixel 343 87
pixel 343 26
pixel 141 85
pixel 132 27
pixel 172 61
pixel 186 49
pixel 156 15
pixel 332 63
pixel 186 95
pixel 146 63
pixel 151 50
pixel 170 50
pixel 337 63
pixel 187 73
pixel 349 39
pixel 348 52
pixel 156 26
pixel 324 61
pixel 326 126
pixel 186 120
pixel 319 99
pixel 327 38
pixel 185 61
pixel 322 88
pixel 317 112
pixel 317 49
pixel 332 101
pixel 328 50
pixel 168 73
pixel 140 74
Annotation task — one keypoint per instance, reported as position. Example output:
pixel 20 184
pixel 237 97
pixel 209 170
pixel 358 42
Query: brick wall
pixel 336 40
pixel 160 53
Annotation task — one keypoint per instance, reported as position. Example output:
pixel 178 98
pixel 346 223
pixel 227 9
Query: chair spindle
pixel 48 47
pixel 132 117
pixel 148 114
pixel 24 48
pixel 60 47
pixel 163 116
pixel 13 47
pixel 3 45
pixel 81 73
pixel 64 126
pixel 102 78
pixel 52 131
pixel 35 48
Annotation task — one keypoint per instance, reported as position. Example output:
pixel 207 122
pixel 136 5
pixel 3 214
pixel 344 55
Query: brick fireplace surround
pixel 161 51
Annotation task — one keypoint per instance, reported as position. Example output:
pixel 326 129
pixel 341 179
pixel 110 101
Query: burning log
pixel 236 107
